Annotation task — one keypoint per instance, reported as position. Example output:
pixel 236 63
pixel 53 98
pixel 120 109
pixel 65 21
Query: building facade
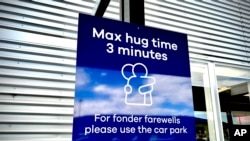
pixel 38 53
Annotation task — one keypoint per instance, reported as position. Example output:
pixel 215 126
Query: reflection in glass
pixel 234 94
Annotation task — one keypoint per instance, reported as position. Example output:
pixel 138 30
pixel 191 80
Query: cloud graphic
pixel 172 95
pixel 90 107
pixel 104 89
pixel 174 89
pixel 82 77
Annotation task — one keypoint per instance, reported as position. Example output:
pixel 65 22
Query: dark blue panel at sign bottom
pixel 184 131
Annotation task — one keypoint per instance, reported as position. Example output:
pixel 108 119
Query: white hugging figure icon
pixel 136 93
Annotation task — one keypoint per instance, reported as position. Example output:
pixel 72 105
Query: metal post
pixel 100 7
pixel 132 11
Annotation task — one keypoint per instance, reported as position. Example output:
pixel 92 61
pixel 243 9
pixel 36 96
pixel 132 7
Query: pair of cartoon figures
pixel 139 87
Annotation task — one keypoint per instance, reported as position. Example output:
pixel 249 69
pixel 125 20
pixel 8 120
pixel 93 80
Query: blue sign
pixel 132 83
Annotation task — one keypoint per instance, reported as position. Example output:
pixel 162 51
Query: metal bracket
pixel 100 7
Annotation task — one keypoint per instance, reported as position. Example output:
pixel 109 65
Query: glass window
pixel 205 129
pixel 234 94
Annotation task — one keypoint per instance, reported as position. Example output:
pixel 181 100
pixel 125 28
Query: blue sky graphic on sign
pixel 132 83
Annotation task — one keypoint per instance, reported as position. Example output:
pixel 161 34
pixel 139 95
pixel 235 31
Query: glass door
pixel 205 127
pixel 234 94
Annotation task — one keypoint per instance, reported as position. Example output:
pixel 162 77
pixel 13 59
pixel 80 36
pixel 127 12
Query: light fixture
pixel 241 89
pixel 248 94
pixel 223 89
